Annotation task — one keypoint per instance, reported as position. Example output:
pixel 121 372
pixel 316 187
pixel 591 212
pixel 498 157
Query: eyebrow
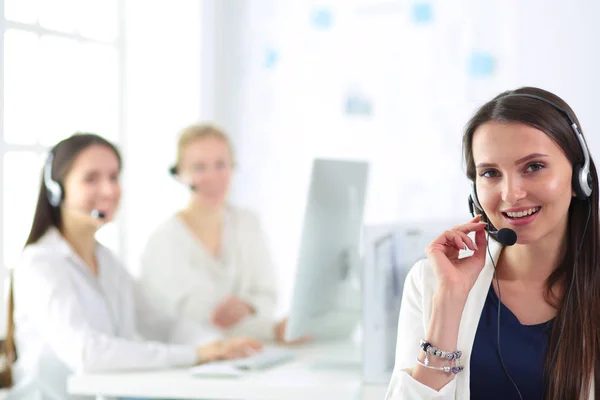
pixel 519 161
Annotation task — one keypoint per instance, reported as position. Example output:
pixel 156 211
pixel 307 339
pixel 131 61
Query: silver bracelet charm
pixel 434 351
pixel 455 369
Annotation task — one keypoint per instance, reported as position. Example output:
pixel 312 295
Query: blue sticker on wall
pixel 481 64
pixel 271 58
pixel 358 106
pixel 322 18
pixel 422 13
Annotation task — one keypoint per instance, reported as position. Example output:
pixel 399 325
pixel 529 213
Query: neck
pixel 82 241
pixel 533 263
pixel 204 215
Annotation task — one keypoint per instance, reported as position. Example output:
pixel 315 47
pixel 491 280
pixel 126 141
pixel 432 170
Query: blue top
pixel 523 351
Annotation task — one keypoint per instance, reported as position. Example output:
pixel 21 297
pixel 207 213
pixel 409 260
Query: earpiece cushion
pixel 579 192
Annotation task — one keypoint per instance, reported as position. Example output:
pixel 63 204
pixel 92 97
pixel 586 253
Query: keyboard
pixel 266 358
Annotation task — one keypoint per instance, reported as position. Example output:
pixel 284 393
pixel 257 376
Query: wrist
pixel 450 295
pixel 208 352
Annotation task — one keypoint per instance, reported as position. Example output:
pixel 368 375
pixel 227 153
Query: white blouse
pixel 69 320
pixel 188 279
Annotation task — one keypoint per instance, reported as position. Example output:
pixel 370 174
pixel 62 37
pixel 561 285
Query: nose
pixel 110 188
pixel 210 176
pixel 513 190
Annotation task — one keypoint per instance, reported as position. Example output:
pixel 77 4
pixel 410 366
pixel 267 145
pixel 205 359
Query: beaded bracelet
pixel 455 369
pixel 434 351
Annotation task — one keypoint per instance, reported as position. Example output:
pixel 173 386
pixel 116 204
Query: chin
pixel 527 238
pixel 213 201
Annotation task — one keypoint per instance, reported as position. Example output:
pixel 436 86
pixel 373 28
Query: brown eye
pixel 490 173
pixel 535 167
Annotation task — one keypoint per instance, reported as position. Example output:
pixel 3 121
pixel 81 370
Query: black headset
pixel 582 178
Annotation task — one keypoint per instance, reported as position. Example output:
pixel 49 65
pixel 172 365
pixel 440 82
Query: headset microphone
pixel 505 236
pixel 175 174
pixel 97 214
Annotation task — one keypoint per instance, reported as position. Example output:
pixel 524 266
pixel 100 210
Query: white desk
pixel 316 373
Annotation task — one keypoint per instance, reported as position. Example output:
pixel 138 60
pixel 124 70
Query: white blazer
pixel 415 313
pixel 190 281
pixel 69 320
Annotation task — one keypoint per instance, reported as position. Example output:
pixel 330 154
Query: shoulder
pixel 245 218
pixel 43 262
pixel 167 230
pixel 50 248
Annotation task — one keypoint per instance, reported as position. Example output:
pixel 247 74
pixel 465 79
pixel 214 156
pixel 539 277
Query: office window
pixel 62 73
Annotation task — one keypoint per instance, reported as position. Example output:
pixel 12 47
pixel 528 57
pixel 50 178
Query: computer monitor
pixel 390 252
pixel 326 301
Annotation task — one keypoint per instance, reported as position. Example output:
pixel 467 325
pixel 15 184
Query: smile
pixel 522 214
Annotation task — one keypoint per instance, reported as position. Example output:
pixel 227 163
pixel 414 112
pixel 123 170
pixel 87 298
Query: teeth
pixel 520 214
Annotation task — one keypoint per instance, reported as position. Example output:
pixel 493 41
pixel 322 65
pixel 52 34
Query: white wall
pixel 163 94
pixel 558 48
pixel 418 77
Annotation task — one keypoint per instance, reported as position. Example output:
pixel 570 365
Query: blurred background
pixel 390 82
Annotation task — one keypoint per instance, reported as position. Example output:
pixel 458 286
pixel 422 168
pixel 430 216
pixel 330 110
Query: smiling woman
pixel 531 173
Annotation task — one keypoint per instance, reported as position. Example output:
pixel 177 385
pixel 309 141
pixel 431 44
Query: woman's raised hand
pixel 453 273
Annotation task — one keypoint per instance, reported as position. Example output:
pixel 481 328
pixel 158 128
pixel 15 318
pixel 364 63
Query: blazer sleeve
pixel 411 328
pixel 47 295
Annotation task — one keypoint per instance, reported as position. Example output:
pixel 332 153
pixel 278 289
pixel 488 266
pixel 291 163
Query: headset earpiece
pixel 54 191
pixel 582 178
pixel 173 170
pixel 581 182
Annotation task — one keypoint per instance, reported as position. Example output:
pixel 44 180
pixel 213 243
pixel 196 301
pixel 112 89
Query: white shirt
pixel 415 313
pixel 69 320
pixel 180 270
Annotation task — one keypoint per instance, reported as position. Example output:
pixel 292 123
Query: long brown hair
pixel 577 361
pixel 45 217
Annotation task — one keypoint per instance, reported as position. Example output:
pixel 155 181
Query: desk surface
pixel 319 371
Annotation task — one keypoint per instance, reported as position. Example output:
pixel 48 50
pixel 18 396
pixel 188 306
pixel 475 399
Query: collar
pixel 59 245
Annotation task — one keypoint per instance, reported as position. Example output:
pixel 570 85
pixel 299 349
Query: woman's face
pixel 206 164
pixel 523 180
pixel 92 183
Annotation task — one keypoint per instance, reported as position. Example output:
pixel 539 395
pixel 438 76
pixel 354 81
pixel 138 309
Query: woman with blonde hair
pixel 210 261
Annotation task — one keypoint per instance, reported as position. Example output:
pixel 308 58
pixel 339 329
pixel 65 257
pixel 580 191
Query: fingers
pixel 471 245
pixel 224 317
pixel 454 239
pixel 477 218
pixel 242 347
pixel 470 227
pixel 481 242
pixel 302 340
pixel 230 312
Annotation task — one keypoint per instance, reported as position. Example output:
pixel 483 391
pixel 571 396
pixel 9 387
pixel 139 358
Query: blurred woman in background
pixel 75 307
